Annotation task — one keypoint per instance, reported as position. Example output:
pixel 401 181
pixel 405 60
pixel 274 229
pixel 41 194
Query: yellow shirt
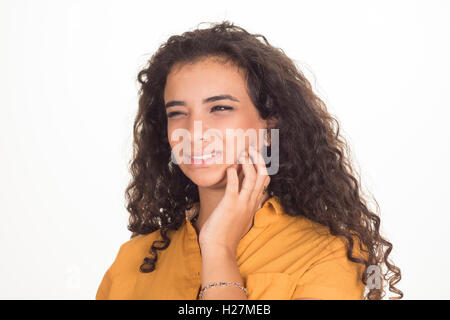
pixel 281 257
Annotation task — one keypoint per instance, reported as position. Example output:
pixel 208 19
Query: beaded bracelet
pixel 214 284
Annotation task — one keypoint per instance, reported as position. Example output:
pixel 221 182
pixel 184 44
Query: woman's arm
pixel 219 265
pixel 229 222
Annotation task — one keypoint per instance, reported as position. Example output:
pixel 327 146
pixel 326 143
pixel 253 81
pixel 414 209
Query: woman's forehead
pixel 203 79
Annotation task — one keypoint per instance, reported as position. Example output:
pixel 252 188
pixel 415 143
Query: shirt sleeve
pixel 105 286
pixel 333 276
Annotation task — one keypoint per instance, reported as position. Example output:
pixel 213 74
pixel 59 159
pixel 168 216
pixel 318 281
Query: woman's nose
pixel 197 131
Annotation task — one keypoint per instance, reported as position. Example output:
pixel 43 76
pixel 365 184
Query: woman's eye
pixel 172 114
pixel 221 108
pixel 213 109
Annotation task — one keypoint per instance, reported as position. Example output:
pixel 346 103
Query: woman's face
pixel 208 146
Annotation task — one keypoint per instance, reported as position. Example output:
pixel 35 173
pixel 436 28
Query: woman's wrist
pixel 219 265
pixel 217 252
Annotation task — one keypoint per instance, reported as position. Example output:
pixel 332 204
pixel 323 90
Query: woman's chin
pixel 208 177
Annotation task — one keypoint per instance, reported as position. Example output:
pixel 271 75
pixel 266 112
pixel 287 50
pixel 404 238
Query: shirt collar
pixel 268 213
pixel 274 202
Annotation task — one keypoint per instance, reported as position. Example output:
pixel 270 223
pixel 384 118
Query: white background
pixel 68 96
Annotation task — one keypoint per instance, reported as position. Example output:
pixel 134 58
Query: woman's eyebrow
pixel 210 99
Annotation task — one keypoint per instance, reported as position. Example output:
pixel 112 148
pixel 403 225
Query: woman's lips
pixel 202 160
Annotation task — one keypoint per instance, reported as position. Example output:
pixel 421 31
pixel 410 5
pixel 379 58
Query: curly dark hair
pixel 315 178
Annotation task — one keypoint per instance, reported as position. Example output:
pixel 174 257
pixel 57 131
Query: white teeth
pixel 203 157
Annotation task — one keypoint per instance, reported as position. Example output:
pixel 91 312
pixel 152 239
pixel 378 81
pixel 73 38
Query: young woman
pixel 212 215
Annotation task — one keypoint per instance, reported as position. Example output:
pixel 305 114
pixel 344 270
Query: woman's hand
pixel 233 216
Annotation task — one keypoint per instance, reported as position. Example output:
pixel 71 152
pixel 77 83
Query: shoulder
pixel 308 237
pixel 297 227
pixel 301 233
pixel 140 242
pixel 299 255
pixel 131 252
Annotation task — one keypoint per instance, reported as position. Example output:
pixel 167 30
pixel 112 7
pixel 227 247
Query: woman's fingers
pixel 258 160
pixel 262 179
pixel 241 175
pixel 232 188
pixel 263 196
pixel 248 184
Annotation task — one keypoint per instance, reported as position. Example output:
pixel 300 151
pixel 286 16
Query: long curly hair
pixel 315 178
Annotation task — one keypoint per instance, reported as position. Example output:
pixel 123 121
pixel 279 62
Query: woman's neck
pixel 209 200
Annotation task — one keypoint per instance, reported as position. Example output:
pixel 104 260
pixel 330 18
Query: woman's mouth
pixel 203 159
